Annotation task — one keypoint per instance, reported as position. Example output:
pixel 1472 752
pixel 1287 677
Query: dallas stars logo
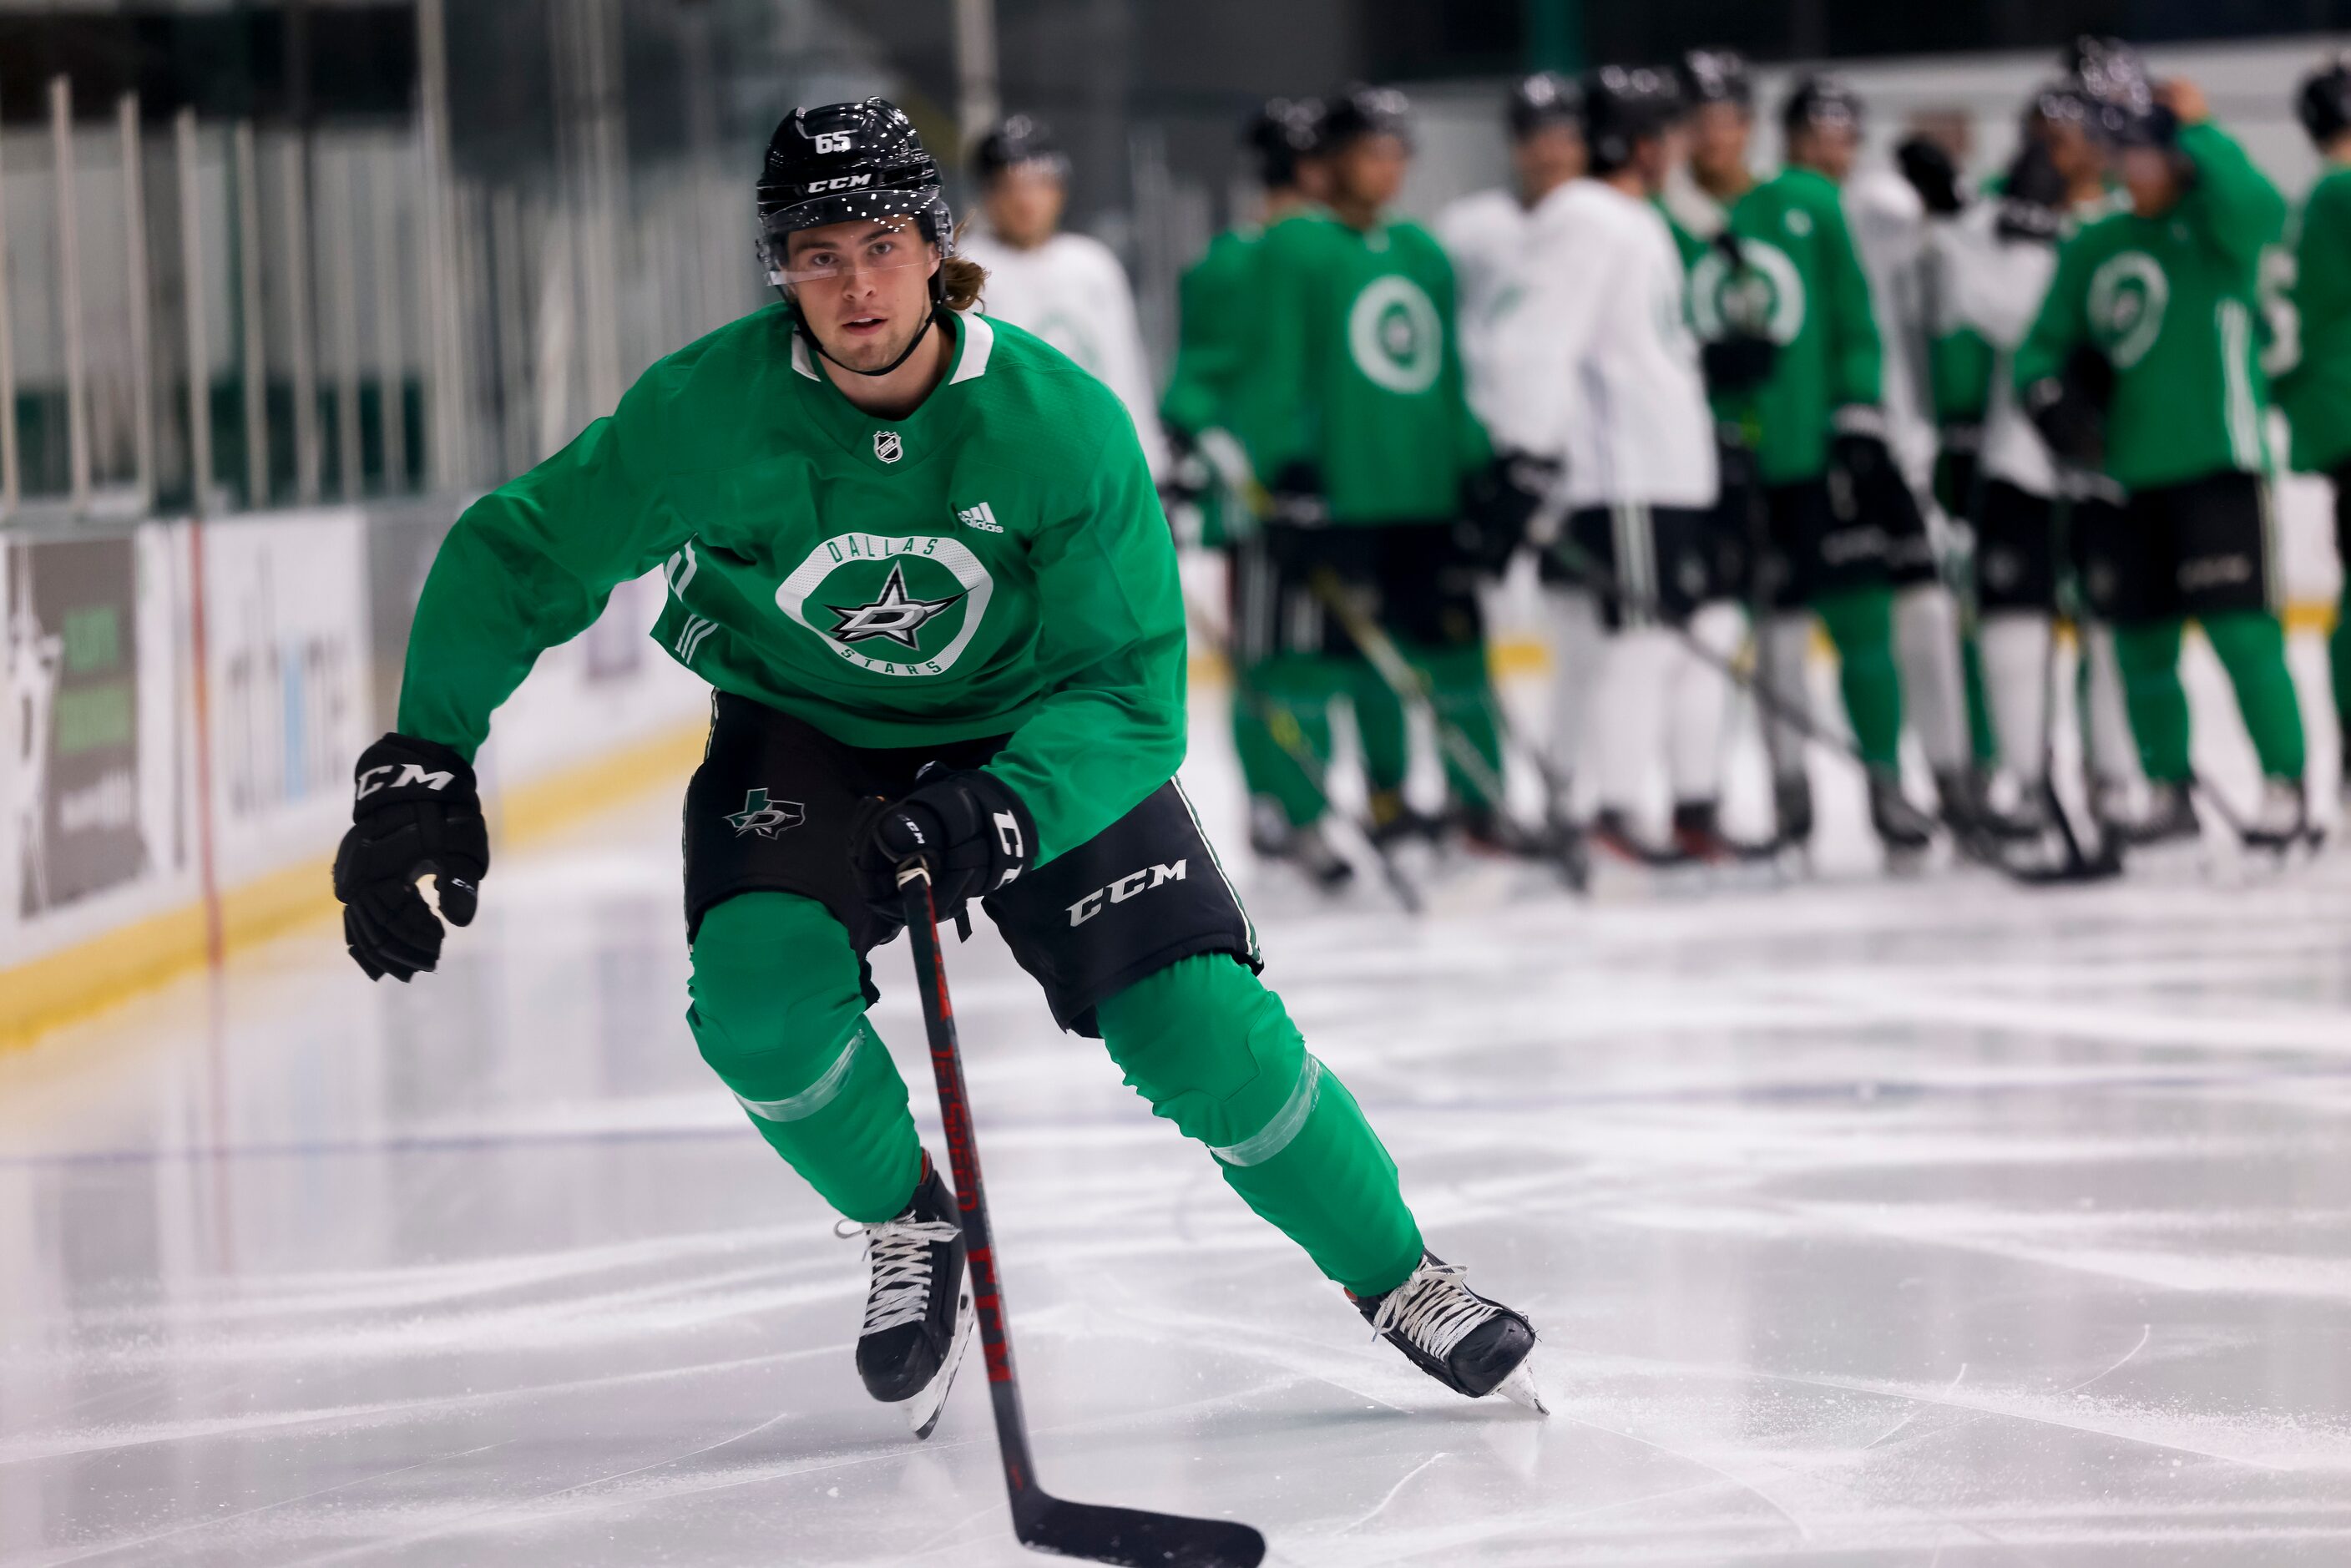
pixel 895 616
pixel 766 818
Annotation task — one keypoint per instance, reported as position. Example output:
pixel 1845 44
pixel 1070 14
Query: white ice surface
pixel 1866 1223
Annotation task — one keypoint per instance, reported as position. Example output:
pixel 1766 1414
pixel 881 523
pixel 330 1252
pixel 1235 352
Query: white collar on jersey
pixel 979 342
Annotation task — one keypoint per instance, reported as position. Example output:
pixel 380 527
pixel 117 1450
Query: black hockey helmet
pixel 2324 104
pixel 2060 100
pixel 1544 98
pixel 2118 93
pixel 1822 98
pixel 1357 111
pixel 1716 76
pixel 1622 106
pixel 842 161
pixel 1278 135
pixel 1015 139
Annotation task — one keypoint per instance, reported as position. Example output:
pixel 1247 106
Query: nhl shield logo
pixel 887 447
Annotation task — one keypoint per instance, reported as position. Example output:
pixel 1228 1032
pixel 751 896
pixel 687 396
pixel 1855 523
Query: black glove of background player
pixel 1498 502
pixel 414 813
pixel 1297 513
pixel 1858 450
pixel 1928 166
pixel 971 832
pixel 1736 361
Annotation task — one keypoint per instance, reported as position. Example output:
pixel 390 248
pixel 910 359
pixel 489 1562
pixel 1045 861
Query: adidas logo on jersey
pixel 981 517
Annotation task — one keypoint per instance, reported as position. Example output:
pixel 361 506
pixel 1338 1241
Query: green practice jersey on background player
pixel 1214 339
pixel 2172 303
pixel 994 563
pixel 1799 282
pixel 2316 393
pixel 1356 370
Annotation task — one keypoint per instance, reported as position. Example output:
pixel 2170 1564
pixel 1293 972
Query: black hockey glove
pixel 1858 450
pixel 2070 416
pixel 414 813
pixel 2031 197
pixel 1498 502
pixel 1297 516
pixel 1931 173
pixel 1738 360
pixel 968 828
pixel 1188 475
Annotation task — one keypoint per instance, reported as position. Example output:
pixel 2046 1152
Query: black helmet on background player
pixel 1356 111
pixel 1716 76
pixel 1278 135
pixel 843 162
pixel 2324 104
pixel 1623 106
pixel 1018 139
pixel 2118 94
pixel 1545 98
pixel 2060 100
pixel 1823 100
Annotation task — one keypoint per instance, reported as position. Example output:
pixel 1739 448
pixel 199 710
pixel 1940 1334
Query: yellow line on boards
pixel 77 982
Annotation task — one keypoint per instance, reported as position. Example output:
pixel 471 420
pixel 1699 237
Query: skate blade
pixel 922 1411
pixel 1520 1387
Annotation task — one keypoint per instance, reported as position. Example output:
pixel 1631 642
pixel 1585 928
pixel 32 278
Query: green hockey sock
pixel 2251 645
pixel 2338 648
pixel 780 1014
pixel 1379 721
pixel 1982 741
pixel 2148 653
pixel 1282 728
pixel 1213 1050
pixel 1860 622
pixel 1463 699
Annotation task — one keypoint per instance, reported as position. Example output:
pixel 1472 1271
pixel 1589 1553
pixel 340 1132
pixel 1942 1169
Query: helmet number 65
pixel 832 140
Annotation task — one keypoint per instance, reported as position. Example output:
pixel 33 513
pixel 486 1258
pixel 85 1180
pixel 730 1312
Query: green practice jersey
pixel 1214 340
pixel 995 563
pixel 2317 392
pixel 2171 302
pixel 1798 281
pixel 1960 366
pixel 1356 370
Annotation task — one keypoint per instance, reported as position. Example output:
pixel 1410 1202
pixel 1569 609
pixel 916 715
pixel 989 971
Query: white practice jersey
pixel 1604 352
pixel 1995 286
pixel 1889 233
pixel 1485 236
pixel 1071 292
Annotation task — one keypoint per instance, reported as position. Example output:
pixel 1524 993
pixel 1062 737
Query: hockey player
pixel 2148 329
pixel 1791 274
pixel 1888 211
pixel 2316 393
pixel 919 557
pixel 1993 262
pixel 1066 288
pixel 1357 420
pixel 1607 366
pixel 1216 300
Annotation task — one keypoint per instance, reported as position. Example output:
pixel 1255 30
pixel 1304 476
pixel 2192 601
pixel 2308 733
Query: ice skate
pixel 917 1314
pixel 1470 1345
pixel 1791 815
pixel 2168 820
pixel 1615 833
pixel 1904 830
pixel 1306 850
pixel 2280 825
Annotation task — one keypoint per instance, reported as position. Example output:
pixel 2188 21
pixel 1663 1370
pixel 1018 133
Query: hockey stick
pixel 1042 1522
pixel 1410 685
pixel 1281 728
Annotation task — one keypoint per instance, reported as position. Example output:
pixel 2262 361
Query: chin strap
pixel 939 313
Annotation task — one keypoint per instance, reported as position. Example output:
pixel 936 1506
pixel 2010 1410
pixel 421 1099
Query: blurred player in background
pixel 1067 288
pixel 2317 392
pixel 1993 259
pixel 1486 234
pixel 1358 424
pixel 2146 353
pixel 1607 372
pixel 1887 210
pixel 1281 735
pixel 1790 273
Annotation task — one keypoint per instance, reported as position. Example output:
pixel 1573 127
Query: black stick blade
pixel 1132 1537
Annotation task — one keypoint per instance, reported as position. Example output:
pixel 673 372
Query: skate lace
pixel 1433 1309
pixel 898 1252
